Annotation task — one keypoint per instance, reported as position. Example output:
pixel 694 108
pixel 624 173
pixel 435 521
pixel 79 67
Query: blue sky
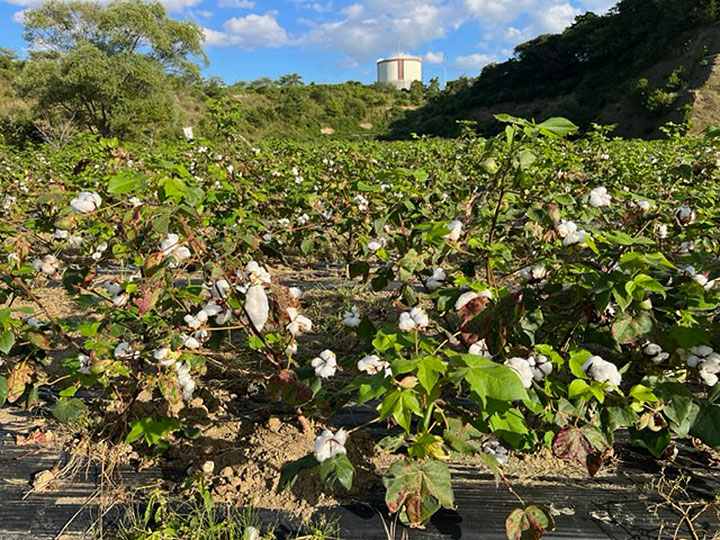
pixel 339 40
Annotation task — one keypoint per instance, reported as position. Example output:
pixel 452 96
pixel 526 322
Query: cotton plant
pixel 373 364
pixel 413 320
pixel 86 202
pixel 602 371
pixel 325 364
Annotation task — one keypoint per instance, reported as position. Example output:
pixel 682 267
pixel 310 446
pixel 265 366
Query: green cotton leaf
pixel 7 340
pixel 153 430
pixel 576 361
pixel 579 388
pixel 614 417
pixel 557 127
pixel 429 370
pixel 289 472
pixel 649 284
pixel 680 406
pixel 490 380
pixel 706 425
pixel 69 410
pixel 4 390
pixel 125 183
pixel 337 469
pixel 628 329
pixel 655 441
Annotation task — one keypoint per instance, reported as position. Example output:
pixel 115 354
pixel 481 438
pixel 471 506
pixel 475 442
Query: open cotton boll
pixel 329 444
pixel 372 364
pixel 534 273
pixel 220 288
pixel 480 348
pixel 436 280
pixel 254 273
pixel 662 231
pixel 494 448
pixel 602 371
pixel 211 309
pixel 298 323
pixel 257 306
pixel 654 352
pixel 61 234
pixel 352 318
pixel 124 351
pixel 566 227
pixel 251 533
pixel 685 215
pixel 456 228
pixel 577 237
pixel 377 245
pixel 467 297
pixel 599 197
pixel 325 365
pixel 644 205
pixel 85 202
pixel 223 317
pixel 419 316
pixel 414 319
pixel 522 367
pixel 189 341
pixel 48 264
pixel 295 292
pixel 85 364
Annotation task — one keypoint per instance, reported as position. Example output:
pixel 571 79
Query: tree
pixel 291 79
pixel 109 68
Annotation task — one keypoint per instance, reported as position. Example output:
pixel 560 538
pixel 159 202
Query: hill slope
pixel 645 63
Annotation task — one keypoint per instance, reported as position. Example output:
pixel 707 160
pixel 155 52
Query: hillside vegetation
pixel 643 64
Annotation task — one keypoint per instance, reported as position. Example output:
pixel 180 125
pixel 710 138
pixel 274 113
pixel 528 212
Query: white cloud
pixel 239 4
pixel 472 63
pixel 250 32
pixel 557 17
pixel 19 16
pixel 434 57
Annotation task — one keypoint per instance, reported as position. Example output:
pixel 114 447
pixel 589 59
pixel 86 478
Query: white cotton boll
pixel 84 360
pixel 437 279
pixel 61 234
pixel 201 316
pixel 224 317
pixel 464 299
pixel 291 349
pixel 456 228
pixel 190 342
pixel 602 370
pixel 599 197
pixel 169 244
pixel 352 318
pixel 257 306
pixel 541 367
pixel 123 350
pixel 48 264
pixel 192 322
pixel 406 322
pixel 372 364
pixel 325 365
pixel 188 389
pixel 283 222
pixel 120 300
pixel 420 317
pixel 523 368
pixel 566 227
pixel 211 309
pixel 295 292
pixel 685 215
pixel 112 288
pixel 135 202
pixel 220 288
pixel 251 533
pixel 376 245
pixel 644 205
pixel 256 273
pixel 85 202
pixel 577 237
pixel 480 348
pixel 182 253
pixel 75 241
pixel 494 448
pixel 701 350
pixel 534 273
pixel 329 444
pixel 303 219
pixel 662 231
pixel 298 323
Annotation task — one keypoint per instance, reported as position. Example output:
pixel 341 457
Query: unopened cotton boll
pixel 602 371
pixel 436 280
pixel 85 202
pixel 522 367
pixel 325 364
pixel 372 364
pixel 456 228
pixel 599 197
pixel 329 444
pixel 352 318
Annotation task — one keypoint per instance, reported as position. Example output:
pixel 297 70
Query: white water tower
pixel 400 70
